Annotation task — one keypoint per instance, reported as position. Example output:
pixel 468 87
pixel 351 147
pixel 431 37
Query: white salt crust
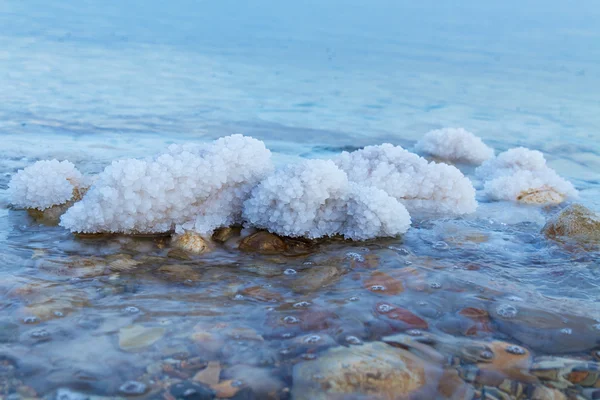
pixel 44 184
pixel 520 170
pixel 455 144
pixel 422 186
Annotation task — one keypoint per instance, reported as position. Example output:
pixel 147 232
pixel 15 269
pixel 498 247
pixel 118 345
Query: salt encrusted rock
pixel 455 144
pixel 314 199
pixel 45 184
pixel 522 175
pixel 421 186
pixel 189 188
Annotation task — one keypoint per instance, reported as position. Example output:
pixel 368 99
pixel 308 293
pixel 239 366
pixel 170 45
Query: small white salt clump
pixel 45 184
pixel 455 144
pixel 521 174
pixel 194 188
pixel 422 186
pixel 314 199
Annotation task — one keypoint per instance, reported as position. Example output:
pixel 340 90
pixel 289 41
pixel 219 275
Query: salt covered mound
pixel 45 184
pixel 521 174
pixel 192 187
pixel 315 199
pixel 420 185
pixel 455 144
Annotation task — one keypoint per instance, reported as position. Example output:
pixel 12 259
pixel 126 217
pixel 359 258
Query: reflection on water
pixel 484 307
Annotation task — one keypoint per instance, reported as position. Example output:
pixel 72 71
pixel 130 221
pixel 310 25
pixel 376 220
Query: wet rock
pixel 9 332
pixel 262 294
pixel 188 390
pixel 382 283
pixel 314 278
pixel 576 222
pixel 263 382
pixel 137 337
pixel 402 315
pixel 545 331
pixel 508 361
pixel 51 215
pixel 453 387
pixel 123 263
pixel 545 393
pixel 375 370
pixel 222 235
pixel 133 388
pixel 563 373
pixel 179 273
pixel 541 195
pixel 226 389
pixel 209 375
pixel 264 243
pixel 68 394
pixel 179 254
pixel 191 242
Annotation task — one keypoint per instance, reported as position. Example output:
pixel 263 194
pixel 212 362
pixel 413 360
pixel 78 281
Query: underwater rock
pixel 396 314
pixel 122 263
pixel 575 222
pixel 382 283
pixel 508 361
pixel 374 369
pixel 563 373
pixel 314 278
pixel 209 375
pixel 545 393
pixel 545 331
pixel 9 332
pixel 137 337
pixel 190 242
pixel 179 273
pixel 542 195
pixel 262 294
pixel 264 243
pixel 263 381
pixel 188 390
pixel 454 144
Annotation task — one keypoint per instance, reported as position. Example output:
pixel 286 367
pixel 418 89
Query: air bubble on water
pixel 355 256
pixel 30 320
pixel 441 245
pixel 400 250
pixel 238 297
pixel 486 355
pixel 290 319
pixel 513 349
pixel 353 340
pixel 302 304
pixel 40 334
pixel 422 303
pixel 58 314
pixel 566 331
pixel 318 377
pixel 507 311
pixel 290 271
pixel 133 388
pixel 267 285
pixel 378 288
pixel 414 332
pixel 309 356
pixel 435 285
pixel 312 339
pixel 237 383
pixel 515 298
pixel 308 263
pixel 385 308
pixel 284 352
pixel 597 327
pixel 131 310
pixel 270 308
pixel 354 298
pixel 287 335
pixel 407 262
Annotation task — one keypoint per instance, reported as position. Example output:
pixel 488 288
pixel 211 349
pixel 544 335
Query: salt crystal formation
pixel 422 186
pixel 455 144
pixel 522 175
pixel 196 188
pixel 314 198
pixel 45 184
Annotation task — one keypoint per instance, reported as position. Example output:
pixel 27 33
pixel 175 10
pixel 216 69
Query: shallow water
pixel 93 82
